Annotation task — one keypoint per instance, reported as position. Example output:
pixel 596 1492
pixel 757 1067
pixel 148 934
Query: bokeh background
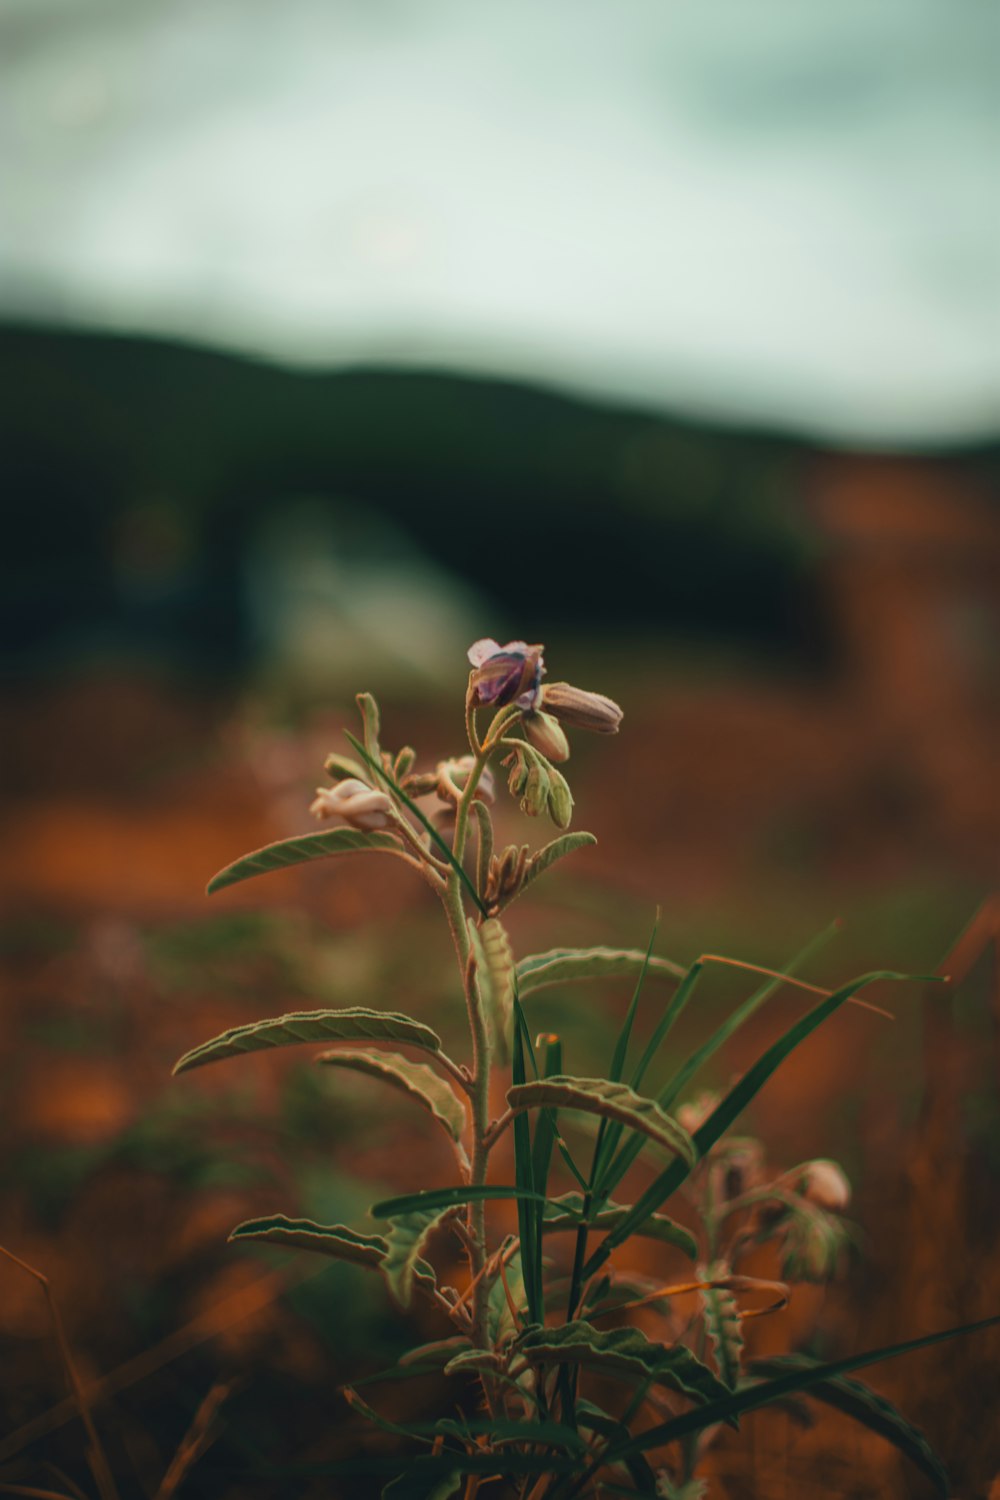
pixel 334 336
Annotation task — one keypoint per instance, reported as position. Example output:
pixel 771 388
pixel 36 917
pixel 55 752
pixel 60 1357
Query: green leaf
pixel 299 850
pixel 447 1197
pixel 732 1106
pixel 622 1351
pixel 528 1215
pixel 357 1024
pixel 438 1352
pixel 540 861
pixel 546 1130
pixel 610 1132
pixel 495 964
pixel 865 1406
pixel 372 721
pixel 540 971
pixel 335 1240
pixel 408 1234
pixel 597 1420
pixel 565 1213
pixel 763 1393
pixel 667 1095
pixel 723 1323
pixel 613 1101
pixel 343 768
pixel 415 1079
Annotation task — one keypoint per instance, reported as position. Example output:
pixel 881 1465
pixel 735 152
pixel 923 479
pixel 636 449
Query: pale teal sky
pixel 783 212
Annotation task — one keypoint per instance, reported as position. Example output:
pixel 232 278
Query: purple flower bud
pixel 580 709
pixel 506 674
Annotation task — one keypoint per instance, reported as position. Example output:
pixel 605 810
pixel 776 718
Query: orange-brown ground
pixel 753 814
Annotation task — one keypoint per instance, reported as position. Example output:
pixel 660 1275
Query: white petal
pixel 482 651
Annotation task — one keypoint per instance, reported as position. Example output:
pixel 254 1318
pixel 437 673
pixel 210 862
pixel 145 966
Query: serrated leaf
pixel 622 1351
pixel 540 861
pixel 408 1234
pixel 564 1213
pixel 613 1101
pixel 297 851
pixel 413 1078
pixel 495 962
pixel 865 1406
pixel 723 1323
pixel 540 971
pixel 357 1024
pixel 335 1240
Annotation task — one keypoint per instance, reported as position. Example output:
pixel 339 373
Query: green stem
pixel 479 1083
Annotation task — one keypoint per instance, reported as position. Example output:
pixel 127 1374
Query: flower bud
pixel 356 803
pixel 560 800
pixel 506 876
pixel 536 789
pixel 546 735
pixel 825 1184
pixel 506 674
pixel 580 709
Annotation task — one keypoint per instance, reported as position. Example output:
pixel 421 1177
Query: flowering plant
pixel 536 1334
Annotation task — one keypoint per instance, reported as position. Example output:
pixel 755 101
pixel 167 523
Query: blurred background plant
pixel 335 338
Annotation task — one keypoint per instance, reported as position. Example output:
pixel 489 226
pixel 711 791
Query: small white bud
pixel 825 1184
pixel 357 804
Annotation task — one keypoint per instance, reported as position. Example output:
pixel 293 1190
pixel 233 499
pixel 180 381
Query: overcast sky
pixel 783 212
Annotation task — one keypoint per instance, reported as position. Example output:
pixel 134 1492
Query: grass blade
pixel 429 1198
pixel 739 1016
pixel 751 1397
pixel 528 1214
pixel 735 1102
pixel 867 1407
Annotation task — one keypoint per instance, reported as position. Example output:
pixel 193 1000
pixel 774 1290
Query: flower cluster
pixel 502 677
pixel 513 674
